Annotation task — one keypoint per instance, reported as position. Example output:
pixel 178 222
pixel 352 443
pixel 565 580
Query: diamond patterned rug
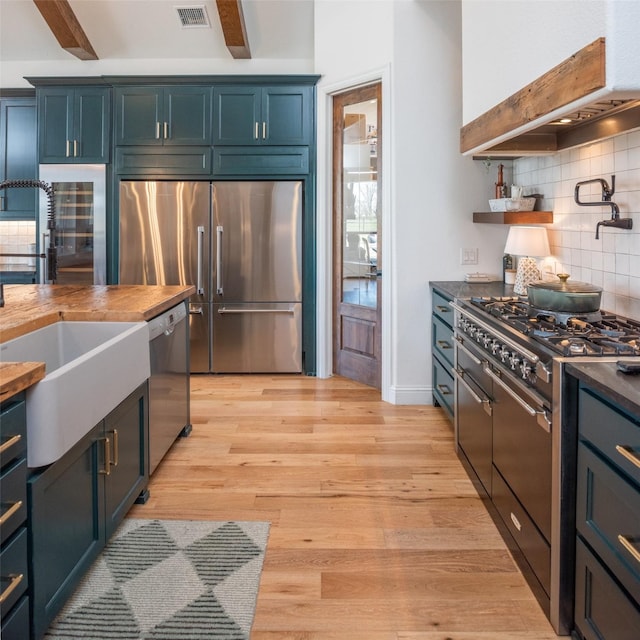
pixel 169 580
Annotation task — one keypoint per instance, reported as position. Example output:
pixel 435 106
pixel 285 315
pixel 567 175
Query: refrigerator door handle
pixel 199 287
pixel 224 310
pixel 219 232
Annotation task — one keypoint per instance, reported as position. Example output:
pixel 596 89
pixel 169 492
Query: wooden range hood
pixel 529 121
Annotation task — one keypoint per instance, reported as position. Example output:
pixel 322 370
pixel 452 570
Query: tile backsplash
pixel 17 236
pixel 613 261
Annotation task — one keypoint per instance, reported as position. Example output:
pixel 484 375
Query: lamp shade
pixel 527 241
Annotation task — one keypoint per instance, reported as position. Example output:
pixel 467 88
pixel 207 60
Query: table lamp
pixel 528 243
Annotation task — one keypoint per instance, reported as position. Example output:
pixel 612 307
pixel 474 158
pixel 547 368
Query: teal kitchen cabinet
pixel 18 157
pixel 74 124
pixel 14 599
pixel 169 115
pixel 257 115
pixel 76 503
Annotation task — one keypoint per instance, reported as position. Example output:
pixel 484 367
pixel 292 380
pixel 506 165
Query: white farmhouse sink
pixel 90 368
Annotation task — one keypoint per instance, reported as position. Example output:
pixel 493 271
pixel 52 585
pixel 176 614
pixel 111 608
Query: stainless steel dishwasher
pixel 169 406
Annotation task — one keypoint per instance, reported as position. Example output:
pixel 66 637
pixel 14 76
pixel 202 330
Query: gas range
pixel 592 334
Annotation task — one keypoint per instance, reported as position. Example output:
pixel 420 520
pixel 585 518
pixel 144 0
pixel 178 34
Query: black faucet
pixel 607 192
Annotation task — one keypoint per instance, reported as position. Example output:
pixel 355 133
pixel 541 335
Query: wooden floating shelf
pixel 514 217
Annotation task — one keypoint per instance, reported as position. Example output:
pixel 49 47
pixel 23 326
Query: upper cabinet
pixel 580 87
pixel 18 156
pixel 170 115
pixel 74 124
pixel 263 115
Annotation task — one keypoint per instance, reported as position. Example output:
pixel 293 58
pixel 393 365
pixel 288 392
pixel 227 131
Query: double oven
pixel 509 369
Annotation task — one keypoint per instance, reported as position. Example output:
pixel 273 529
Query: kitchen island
pixel 96 479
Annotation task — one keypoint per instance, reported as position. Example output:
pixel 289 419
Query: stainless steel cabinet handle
pixel 6 516
pixel 68 149
pixel 255 135
pixel 264 130
pixel 627 452
pixel 15 581
pixel 485 402
pixel 540 416
pixel 443 389
pixel 219 232
pixel 157 130
pixel 628 545
pixel 443 344
pixel 2 198
pixel 166 130
pixel 461 346
pixel 224 310
pixel 442 309
pixel 75 148
pixel 196 312
pixel 10 442
pixel 199 276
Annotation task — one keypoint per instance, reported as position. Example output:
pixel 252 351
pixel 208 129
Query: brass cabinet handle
pixel 5 446
pixel 444 344
pixel 627 452
pixel 10 511
pixel 107 458
pixel 443 309
pixel 627 544
pixel 15 581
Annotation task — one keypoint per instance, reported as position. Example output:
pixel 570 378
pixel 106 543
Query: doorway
pixel 357 238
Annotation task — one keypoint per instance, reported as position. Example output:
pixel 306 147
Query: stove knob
pixel 472 330
pixel 514 360
pixel 525 368
pixel 463 324
pixel 480 337
pixel 495 347
pixel 504 353
pixel 486 340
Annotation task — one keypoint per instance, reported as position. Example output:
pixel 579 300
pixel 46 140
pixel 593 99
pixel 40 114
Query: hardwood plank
pixel 377 533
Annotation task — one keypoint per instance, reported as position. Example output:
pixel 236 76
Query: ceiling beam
pixel 64 25
pixel 235 34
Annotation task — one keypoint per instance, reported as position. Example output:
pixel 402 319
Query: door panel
pixel 357 234
pixel 257 226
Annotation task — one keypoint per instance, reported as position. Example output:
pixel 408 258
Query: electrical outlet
pixel 468 256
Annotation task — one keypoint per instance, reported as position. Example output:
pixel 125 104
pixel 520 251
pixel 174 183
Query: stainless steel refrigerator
pixel 239 243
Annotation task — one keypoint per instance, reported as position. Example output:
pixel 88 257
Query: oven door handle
pixel 540 415
pixel 468 351
pixel 485 402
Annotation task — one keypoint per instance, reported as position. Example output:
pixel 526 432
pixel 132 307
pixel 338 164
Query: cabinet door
pixel 287 115
pixel 18 156
pixel 138 115
pixel 187 114
pixel 55 123
pixel 92 117
pixel 237 118
pixel 126 427
pixel 66 506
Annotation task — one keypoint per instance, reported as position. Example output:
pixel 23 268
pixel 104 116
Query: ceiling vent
pixel 193 17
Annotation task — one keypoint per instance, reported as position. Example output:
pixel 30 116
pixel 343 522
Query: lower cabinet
pixel 607 602
pixel 442 352
pixel 77 502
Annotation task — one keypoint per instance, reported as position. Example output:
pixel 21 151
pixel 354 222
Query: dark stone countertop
pixel 461 289
pixel 604 377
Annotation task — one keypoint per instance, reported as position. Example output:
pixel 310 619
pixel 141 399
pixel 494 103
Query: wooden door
pixel 357 237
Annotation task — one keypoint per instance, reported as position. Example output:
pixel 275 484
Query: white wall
pixel 430 189
pixel 613 261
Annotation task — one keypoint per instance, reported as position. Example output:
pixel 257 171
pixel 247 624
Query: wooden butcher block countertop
pixel 31 307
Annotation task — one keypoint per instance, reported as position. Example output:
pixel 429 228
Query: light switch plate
pixel 468 256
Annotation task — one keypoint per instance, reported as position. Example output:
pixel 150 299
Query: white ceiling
pixel 147 29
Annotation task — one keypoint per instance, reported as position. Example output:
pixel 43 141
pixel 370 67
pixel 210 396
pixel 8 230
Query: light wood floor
pixel 376 531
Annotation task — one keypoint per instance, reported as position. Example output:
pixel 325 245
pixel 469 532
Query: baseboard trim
pixel 410 395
